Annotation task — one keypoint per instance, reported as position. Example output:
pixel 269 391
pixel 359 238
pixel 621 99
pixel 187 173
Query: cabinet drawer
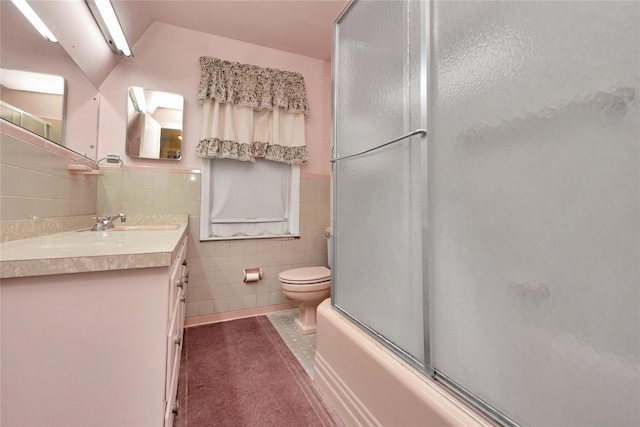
pixel 176 285
pixel 179 277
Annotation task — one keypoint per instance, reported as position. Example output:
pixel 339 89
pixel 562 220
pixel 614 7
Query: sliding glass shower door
pixel 534 203
pixel 516 241
pixel 377 269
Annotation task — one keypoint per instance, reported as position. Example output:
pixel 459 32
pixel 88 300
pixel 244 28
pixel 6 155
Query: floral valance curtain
pixel 251 112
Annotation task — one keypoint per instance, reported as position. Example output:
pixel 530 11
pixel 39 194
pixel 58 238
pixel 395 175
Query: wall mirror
pixel 154 124
pixel 33 101
pixel 75 125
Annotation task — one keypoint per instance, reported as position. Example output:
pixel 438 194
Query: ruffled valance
pixel 251 112
pixel 252 86
pixel 219 149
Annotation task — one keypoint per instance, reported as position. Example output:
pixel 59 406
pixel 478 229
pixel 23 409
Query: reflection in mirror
pixel 33 101
pixel 23 48
pixel 154 124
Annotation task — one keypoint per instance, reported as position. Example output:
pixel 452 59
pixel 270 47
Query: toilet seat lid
pixel 305 275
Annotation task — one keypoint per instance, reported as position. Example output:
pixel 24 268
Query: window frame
pixel 293 206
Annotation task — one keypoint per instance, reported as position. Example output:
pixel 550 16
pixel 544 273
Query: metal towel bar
pixel 421 132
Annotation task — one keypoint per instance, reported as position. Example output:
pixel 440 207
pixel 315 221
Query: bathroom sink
pixel 144 227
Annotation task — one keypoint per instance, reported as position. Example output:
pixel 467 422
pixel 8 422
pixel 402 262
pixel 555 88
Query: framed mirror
pixel 70 119
pixel 154 124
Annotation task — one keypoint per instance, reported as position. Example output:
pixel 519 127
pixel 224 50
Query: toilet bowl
pixel 306 288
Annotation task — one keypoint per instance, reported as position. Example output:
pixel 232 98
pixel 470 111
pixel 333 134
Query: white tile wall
pixel 35 183
pixel 216 267
pixel 131 191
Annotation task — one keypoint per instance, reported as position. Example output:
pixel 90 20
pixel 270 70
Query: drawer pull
pixel 179 283
pixel 182 298
pixel 184 262
pixel 176 407
pixel 178 339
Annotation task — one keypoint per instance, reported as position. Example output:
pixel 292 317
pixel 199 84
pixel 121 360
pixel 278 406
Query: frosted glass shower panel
pixel 375 76
pixel 534 207
pixel 377 263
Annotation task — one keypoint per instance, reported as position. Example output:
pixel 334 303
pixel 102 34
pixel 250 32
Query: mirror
pixel 74 124
pixel 33 101
pixel 154 124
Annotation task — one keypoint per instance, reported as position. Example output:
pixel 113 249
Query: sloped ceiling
pixel 297 26
pixel 303 27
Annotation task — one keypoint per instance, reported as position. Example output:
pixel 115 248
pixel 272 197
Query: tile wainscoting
pixel 38 190
pixel 216 289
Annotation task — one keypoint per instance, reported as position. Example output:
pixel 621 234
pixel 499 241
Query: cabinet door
pixel 174 341
pixel 174 350
pixel 173 388
pixel 175 328
pixel 84 349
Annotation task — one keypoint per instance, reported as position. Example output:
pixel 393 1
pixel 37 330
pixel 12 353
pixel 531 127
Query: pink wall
pixel 166 58
pixel 44 105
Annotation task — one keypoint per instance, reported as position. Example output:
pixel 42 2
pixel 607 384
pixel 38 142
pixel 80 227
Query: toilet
pixel 306 288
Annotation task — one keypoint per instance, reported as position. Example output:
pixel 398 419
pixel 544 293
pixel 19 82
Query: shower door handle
pixel 420 132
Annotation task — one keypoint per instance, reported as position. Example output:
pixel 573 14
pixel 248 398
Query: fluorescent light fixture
pixel 35 20
pixel 107 20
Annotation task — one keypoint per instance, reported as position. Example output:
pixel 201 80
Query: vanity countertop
pixel 88 251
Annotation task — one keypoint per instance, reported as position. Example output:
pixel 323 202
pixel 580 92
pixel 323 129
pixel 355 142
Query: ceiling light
pixel 107 20
pixel 35 20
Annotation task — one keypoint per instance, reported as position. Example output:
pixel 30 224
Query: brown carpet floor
pixel 240 373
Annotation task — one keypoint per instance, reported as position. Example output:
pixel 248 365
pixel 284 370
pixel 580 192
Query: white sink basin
pixel 144 227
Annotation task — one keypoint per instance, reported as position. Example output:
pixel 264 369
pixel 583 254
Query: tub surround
pixel 91 251
pixel 369 386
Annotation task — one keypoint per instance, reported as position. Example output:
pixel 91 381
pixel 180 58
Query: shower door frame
pixel 424 40
pixel 425 120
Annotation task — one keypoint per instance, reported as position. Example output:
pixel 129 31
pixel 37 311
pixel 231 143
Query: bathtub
pixel 367 385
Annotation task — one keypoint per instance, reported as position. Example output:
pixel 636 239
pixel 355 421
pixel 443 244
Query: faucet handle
pixel 122 217
pixel 110 218
pixel 105 222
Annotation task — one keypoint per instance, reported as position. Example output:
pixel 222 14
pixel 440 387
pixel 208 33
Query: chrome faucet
pixel 106 222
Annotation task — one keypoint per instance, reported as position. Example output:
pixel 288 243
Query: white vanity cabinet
pixel 178 282
pixel 93 348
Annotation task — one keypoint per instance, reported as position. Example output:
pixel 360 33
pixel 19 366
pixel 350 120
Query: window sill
pixel 281 237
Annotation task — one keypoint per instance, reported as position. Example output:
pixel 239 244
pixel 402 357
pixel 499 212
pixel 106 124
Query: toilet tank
pixel 329 234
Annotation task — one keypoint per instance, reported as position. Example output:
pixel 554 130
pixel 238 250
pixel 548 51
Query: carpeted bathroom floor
pixel 241 373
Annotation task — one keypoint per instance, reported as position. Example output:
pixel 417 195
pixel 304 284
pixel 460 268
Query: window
pixel 243 200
